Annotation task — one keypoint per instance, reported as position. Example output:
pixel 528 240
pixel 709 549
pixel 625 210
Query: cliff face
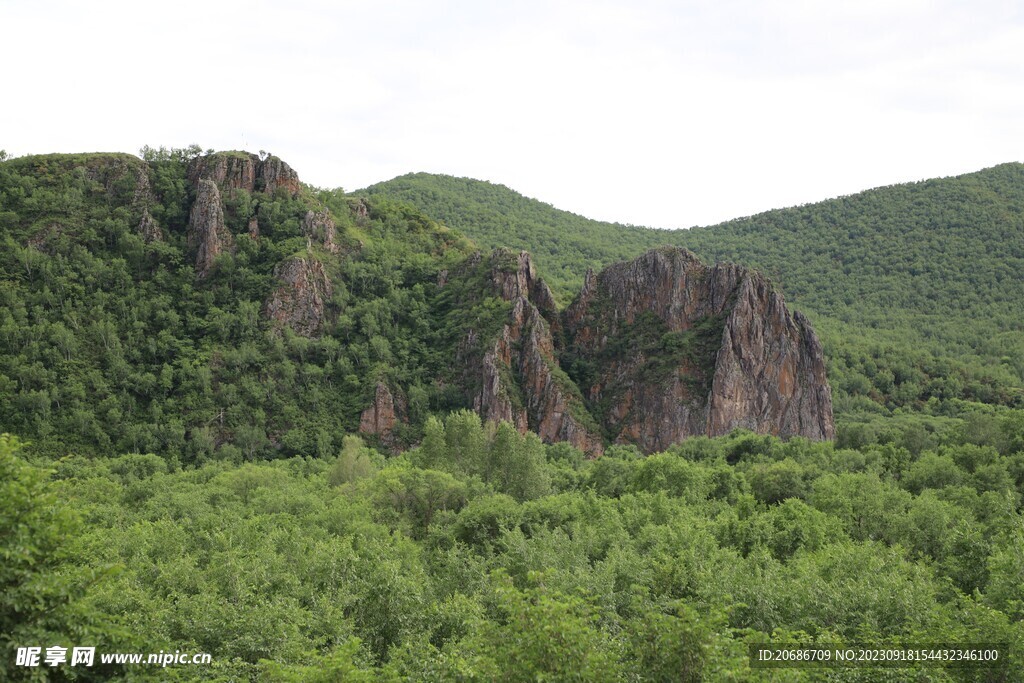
pixel 301 298
pixel 519 378
pixel 381 417
pixel 243 171
pixel 207 234
pixel 671 348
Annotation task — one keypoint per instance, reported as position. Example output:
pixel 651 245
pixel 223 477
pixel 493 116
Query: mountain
pixel 204 306
pixel 253 413
pixel 916 289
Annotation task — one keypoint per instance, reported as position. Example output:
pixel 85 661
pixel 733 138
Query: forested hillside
pixel 917 290
pixel 112 339
pixel 243 416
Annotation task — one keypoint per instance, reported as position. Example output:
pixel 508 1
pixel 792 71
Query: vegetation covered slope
pixel 915 289
pixel 110 341
pixel 193 482
pixel 484 555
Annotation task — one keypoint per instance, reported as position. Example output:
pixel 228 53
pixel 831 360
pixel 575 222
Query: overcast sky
pixel 668 114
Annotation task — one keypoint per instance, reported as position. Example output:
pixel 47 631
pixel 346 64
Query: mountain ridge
pixel 933 262
pixel 193 304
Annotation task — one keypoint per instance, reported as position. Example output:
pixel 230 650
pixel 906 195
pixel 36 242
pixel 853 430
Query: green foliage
pixel 909 286
pixel 204 489
pixel 538 634
pixel 41 585
pixel 109 343
pixel 654 568
pixel 511 462
pixel 355 462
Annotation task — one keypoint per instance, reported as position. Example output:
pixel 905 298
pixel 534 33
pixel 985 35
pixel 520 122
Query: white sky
pixel 660 113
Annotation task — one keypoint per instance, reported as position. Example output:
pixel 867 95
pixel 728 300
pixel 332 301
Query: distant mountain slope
pixel 955 241
pixel 563 244
pixel 923 271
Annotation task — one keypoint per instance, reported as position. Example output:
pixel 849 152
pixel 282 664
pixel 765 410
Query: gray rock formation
pixel 319 227
pixel 518 377
pixel 682 349
pixel 301 298
pixel 207 234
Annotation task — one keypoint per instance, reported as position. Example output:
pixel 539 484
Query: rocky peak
pixel 244 171
pixel 517 378
pixel 300 300
pixel 679 349
pixel 229 170
pixel 513 276
pixel 670 282
pixel 274 173
pixel 207 234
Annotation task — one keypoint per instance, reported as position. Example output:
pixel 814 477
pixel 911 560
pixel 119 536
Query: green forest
pixel 178 472
pixel 916 289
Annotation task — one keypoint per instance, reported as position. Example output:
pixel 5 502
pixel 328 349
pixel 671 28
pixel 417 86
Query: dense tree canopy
pixel 189 476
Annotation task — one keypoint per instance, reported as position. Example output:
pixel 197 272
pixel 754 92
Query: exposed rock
pixel 513 275
pixel 301 299
pixel 207 233
pixel 229 170
pixel 319 227
pixel 383 414
pixel 518 379
pixel 244 171
pixel 254 228
pixel 274 173
pixel 442 278
pixel 682 349
pixel 554 404
pixel 148 228
pixel 359 208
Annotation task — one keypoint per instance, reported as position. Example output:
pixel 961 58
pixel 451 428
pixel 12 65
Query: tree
pixel 42 592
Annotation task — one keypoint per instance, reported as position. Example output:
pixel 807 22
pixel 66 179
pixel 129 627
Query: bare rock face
pixel 148 228
pixel 274 173
pixel 380 418
pixel 207 234
pixel 519 378
pixel 229 170
pixel 319 227
pixel 301 299
pixel 244 171
pixel 673 348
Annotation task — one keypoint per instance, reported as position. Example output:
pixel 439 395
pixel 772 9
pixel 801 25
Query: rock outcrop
pixel 671 348
pixel 319 227
pixel 518 378
pixel 273 173
pixel 300 300
pixel 148 228
pixel 207 234
pixel 215 176
pixel 381 417
pixel 244 171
